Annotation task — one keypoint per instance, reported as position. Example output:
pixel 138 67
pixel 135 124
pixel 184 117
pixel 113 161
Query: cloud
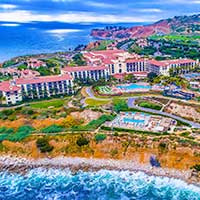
pixel 146 10
pixel 100 5
pixel 184 1
pixel 63 31
pixel 7 6
pixel 24 16
pixel 10 24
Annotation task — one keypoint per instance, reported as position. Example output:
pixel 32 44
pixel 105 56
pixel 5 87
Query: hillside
pixel 181 25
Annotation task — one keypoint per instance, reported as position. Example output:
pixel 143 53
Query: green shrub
pixel 163 146
pixel 53 129
pixel 7 112
pixel 3 137
pixel 185 134
pixel 120 105
pixel 12 117
pixel 82 141
pixel 114 152
pixel 116 134
pixel 94 124
pixel 6 130
pixel 43 145
pixel 196 167
pixel 22 133
pixel 100 137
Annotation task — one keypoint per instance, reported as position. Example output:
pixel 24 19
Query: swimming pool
pixel 138 121
pixel 134 86
pixel 191 75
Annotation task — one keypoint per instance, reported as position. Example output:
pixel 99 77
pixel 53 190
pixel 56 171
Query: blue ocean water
pixel 44 37
pixel 51 184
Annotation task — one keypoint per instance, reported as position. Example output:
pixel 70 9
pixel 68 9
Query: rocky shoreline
pixel 22 165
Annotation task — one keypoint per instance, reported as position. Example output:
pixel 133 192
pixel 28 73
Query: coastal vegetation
pixel 43 145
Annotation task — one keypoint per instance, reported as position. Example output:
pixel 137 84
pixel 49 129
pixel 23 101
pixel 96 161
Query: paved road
pixel 89 92
pixel 131 104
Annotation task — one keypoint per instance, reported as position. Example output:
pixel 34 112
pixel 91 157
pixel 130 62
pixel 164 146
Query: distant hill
pixel 179 24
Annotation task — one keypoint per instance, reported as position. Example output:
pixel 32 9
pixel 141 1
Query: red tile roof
pixel 169 62
pixel 84 68
pixel 179 61
pixel 137 74
pixel 108 52
pixel 157 63
pixel 132 60
pixel 44 79
pixel 6 86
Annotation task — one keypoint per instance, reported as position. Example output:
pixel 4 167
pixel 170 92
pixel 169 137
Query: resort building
pixel 35 88
pixel 100 65
pixel 119 62
pixel 27 73
pixel 35 63
pixel 195 85
pixel 87 72
pixel 180 66
pixel 10 93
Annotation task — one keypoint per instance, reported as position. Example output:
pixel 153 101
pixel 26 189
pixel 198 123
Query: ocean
pixel 34 38
pixel 62 184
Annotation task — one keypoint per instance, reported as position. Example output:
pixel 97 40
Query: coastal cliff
pixel 180 25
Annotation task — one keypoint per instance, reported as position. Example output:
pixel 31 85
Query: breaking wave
pixel 63 184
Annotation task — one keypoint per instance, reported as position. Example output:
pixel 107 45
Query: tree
pixel 130 78
pixel 82 141
pixel 151 76
pixel 43 145
pixel 79 60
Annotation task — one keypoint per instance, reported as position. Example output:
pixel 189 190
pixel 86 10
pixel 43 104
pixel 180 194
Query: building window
pixel 113 69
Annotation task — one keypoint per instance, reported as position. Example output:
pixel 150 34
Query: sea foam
pixel 64 184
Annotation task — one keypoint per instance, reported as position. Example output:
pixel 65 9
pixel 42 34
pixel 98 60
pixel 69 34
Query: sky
pixel 16 12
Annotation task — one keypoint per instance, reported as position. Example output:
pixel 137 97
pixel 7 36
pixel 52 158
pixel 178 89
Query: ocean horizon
pixel 26 39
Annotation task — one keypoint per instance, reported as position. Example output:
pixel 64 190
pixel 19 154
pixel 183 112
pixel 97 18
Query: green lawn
pixel 147 104
pixel 45 104
pixel 103 45
pixel 95 102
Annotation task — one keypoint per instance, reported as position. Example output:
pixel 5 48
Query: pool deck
pixel 143 122
pixel 131 104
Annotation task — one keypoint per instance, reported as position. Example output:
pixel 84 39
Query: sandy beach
pixel 76 163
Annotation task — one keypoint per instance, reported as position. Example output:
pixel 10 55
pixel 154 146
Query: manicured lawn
pixel 45 104
pixel 146 104
pixel 94 102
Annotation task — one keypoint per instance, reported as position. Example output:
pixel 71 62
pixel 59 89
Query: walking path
pixel 131 104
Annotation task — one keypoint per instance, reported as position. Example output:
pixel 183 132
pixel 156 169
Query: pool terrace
pixel 125 88
pixel 142 121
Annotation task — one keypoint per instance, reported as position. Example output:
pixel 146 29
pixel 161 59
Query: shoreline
pixel 22 165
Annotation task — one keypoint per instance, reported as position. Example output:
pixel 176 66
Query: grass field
pixel 94 102
pixel 147 104
pixel 103 45
pixel 45 104
pixel 180 39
